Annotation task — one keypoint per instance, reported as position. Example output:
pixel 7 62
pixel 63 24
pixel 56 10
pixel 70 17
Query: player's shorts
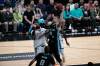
pixel 40 49
pixel 61 50
pixel 60 45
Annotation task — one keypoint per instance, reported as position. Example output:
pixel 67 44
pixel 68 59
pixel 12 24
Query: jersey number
pixel 42 62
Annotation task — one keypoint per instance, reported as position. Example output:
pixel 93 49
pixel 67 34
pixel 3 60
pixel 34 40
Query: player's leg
pixel 57 57
pixel 62 48
pixel 62 54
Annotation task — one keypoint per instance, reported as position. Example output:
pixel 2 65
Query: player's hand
pixel 68 44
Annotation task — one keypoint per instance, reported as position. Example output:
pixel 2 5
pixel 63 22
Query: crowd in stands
pixel 20 15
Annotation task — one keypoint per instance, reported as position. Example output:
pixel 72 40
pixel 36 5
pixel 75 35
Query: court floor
pixel 81 51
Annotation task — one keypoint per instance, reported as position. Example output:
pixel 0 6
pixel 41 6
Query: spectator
pixel 7 3
pixel 8 19
pixel 42 7
pixel 27 2
pixel 33 5
pixel 28 18
pixel 49 10
pixel 67 16
pixel 81 3
pixel 76 14
pixel 95 12
pixel 1 20
pixel 21 8
pixel 86 18
pixel 18 20
pixel 97 9
pixel 90 2
pixel 38 13
pixel 71 4
pixel 39 17
pixel 50 7
pixel 66 13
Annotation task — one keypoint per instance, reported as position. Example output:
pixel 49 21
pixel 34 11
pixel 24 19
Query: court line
pixel 15 46
pixel 84 48
pixel 17 56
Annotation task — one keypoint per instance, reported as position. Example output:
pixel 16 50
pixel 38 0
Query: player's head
pixel 28 7
pixel 90 64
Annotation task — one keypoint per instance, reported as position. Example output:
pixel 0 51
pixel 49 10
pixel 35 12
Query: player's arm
pixel 52 61
pixel 65 39
pixel 46 32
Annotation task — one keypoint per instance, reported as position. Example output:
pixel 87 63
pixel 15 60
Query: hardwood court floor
pixel 82 51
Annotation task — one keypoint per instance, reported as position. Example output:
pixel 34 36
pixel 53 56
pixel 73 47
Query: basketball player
pixel 39 40
pixel 55 39
pixel 43 59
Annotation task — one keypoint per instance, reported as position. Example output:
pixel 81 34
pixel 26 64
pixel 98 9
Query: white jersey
pixel 40 38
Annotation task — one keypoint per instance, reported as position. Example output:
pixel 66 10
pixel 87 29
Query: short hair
pixel 90 64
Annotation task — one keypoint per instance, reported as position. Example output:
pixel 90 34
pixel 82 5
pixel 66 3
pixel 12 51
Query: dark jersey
pixel 52 43
pixel 44 59
pixel 53 33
